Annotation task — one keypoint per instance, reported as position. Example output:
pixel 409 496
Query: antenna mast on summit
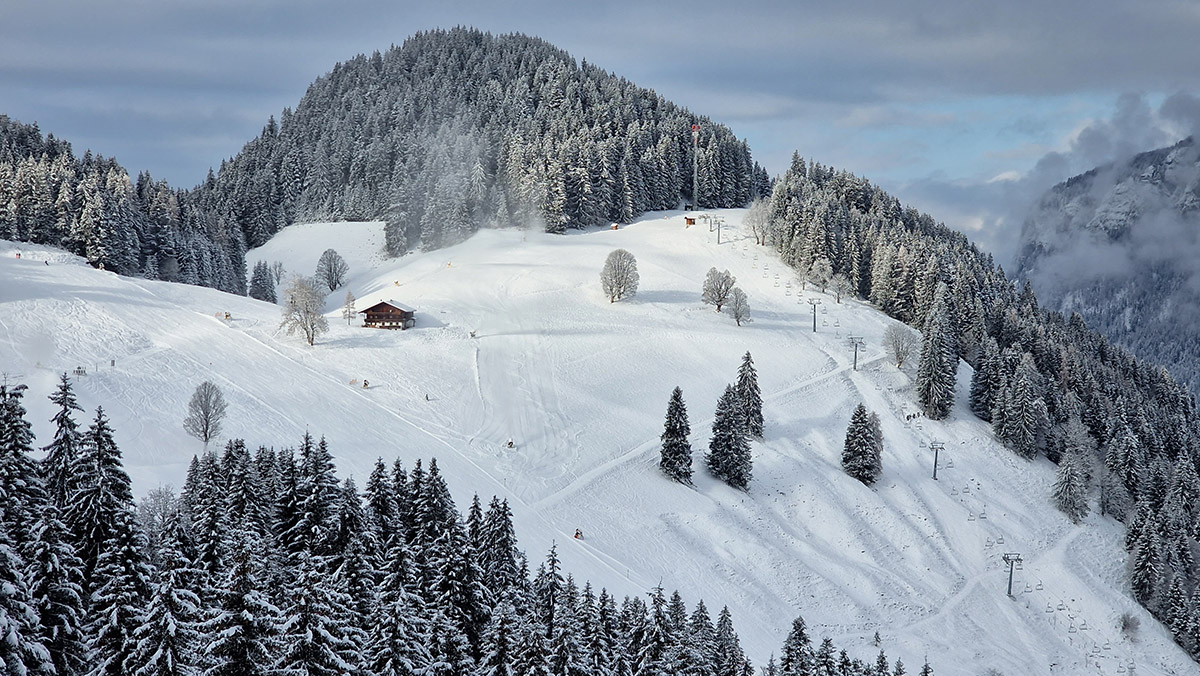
pixel 695 163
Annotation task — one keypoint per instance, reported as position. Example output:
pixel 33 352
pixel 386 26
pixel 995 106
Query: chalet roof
pixel 389 302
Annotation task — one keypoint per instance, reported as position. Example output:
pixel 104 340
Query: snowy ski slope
pixel 581 386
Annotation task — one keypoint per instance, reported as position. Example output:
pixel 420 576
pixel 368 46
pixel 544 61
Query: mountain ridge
pixel 1136 222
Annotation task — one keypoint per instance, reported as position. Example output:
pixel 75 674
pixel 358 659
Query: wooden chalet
pixel 388 314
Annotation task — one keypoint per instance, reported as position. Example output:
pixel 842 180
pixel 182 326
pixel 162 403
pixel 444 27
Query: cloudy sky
pixel 963 109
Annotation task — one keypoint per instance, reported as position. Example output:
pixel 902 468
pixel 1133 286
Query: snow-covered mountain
pixel 515 339
pixel 1119 246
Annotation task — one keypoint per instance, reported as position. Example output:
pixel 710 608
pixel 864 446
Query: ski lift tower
pixel 695 163
pixel 1013 559
pixel 856 342
pixel 814 302
pixel 936 447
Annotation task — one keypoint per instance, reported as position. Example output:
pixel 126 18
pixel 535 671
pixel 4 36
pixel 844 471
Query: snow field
pixel 581 386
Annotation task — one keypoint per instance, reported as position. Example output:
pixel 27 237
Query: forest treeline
pixel 1122 431
pixel 267 564
pixel 453 131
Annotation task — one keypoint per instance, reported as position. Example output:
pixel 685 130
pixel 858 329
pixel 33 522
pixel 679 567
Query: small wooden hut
pixel 388 314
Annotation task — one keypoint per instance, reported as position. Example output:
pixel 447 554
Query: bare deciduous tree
pixel 206 410
pixel 332 269
pixel 820 272
pixel 717 287
pixel 619 278
pixel 899 342
pixel 739 306
pixel 277 271
pixel 758 219
pixel 802 273
pixel 348 312
pixel 302 305
pixel 841 286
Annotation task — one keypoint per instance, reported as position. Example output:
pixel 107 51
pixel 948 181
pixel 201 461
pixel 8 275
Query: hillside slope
pixel 581 386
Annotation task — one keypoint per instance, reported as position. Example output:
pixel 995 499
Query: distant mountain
pixel 1119 246
pixel 459 129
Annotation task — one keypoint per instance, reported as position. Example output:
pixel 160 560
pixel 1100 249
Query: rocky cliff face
pixel 1120 245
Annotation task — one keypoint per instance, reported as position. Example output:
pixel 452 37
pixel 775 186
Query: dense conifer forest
pixel 451 132
pixel 267 563
pixel 89 206
pixel 457 130
pixel 1116 426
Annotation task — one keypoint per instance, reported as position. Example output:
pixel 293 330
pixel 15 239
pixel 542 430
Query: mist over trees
pixel 1118 245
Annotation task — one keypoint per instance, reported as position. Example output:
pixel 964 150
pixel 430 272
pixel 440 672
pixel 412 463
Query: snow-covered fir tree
pixel 121 588
pixel 313 635
pixel 937 370
pixel 262 283
pixel 728 455
pixel 20 478
pixel 676 457
pixel 861 452
pixel 21 650
pixel 55 577
pixel 169 640
pixel 58 465
pixel 750 396
pixel 242 636
pixel 1071 486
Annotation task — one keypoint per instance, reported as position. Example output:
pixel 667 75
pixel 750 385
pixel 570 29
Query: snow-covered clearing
pixel 581 386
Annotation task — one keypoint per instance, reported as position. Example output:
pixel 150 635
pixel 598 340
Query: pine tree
pixel 938 368
pixel 313 634
pixel 657 646
pixel 1019 415
pixel 860 452
pixel 54 574
pixel 244 632
pixel 262 283
pixel 729 451
pixel 382 514
pixel 168 640
pixel 750 397
pixel 500 643
pixel 396 646
pixel 498 558
pixel 986 380
pixel 61 455
pixel 796 658
pixel 21 650
pixel 595 658
pixel 532 658
pixel 729 660
pixel 102 493
pixel 676 457
pixel 548 587
pixel 1071 487
pixel 1146 571
pixel 449 650
pixel 122 586
pixel 20 480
